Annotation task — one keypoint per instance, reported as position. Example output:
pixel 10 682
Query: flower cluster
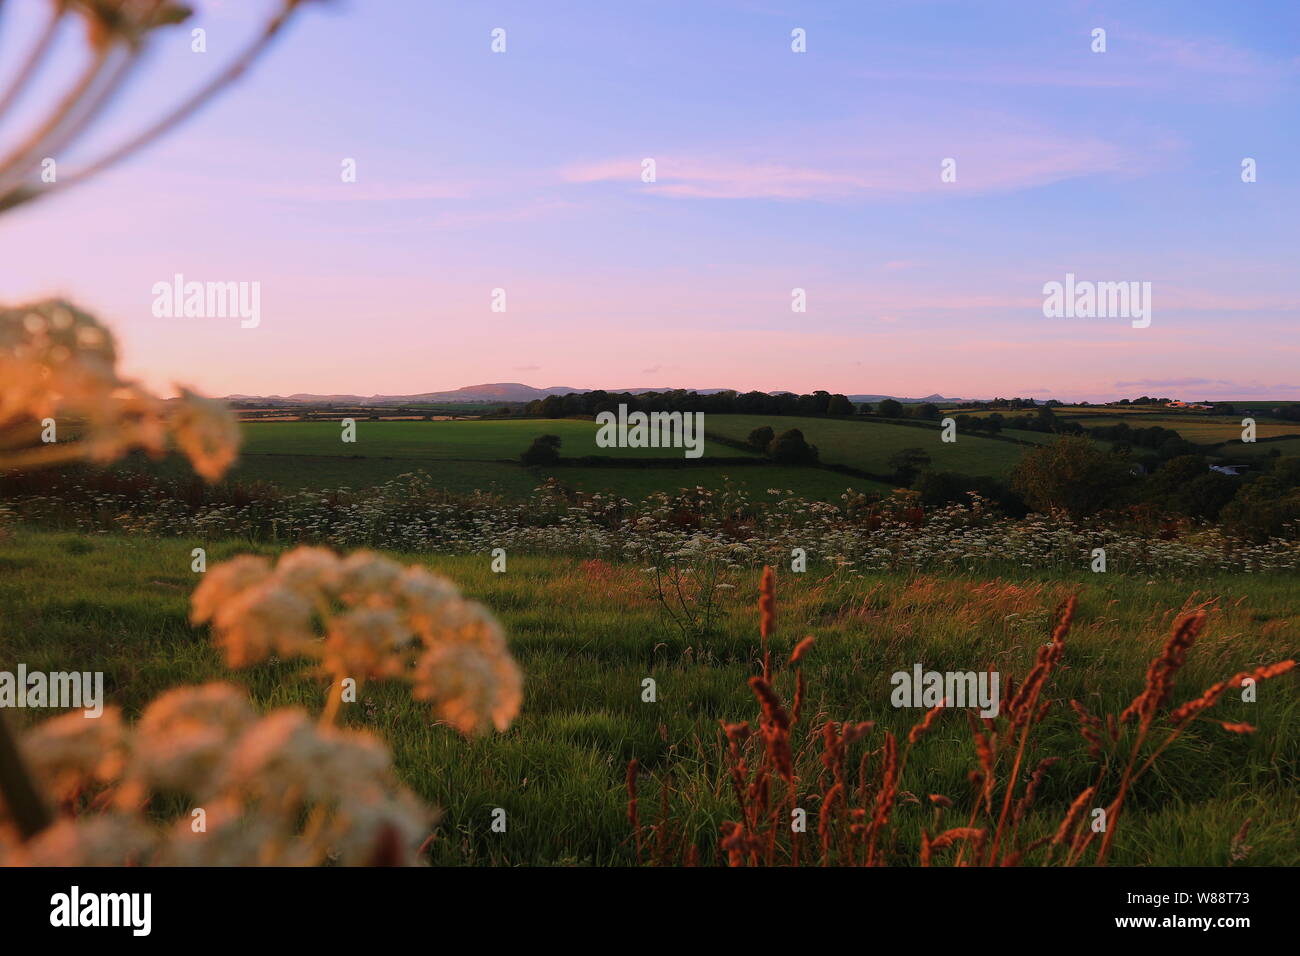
pixel 365 617
pixel 59 363
pixel 274 790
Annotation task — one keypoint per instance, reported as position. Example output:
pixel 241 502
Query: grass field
pixel 315 472
pixel 868 445
pixel 489 440
pixel 465 456
pixel 586 639
pixel 1201 431
pixel 1287 447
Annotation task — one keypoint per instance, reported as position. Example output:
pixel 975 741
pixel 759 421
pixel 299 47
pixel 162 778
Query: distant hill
pixel 502 392
pixel 936 399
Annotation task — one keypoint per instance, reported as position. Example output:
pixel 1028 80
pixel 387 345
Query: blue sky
pixel 775 170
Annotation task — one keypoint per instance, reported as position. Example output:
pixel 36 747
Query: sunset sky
pixel 775 170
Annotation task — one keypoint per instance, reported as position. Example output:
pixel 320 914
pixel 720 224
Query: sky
pixel 775 170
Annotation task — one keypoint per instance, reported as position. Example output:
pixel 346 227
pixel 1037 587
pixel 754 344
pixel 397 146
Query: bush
pixel 940 488
pixel 545 450
pixel 1263 509
pixel 905 464
pixel 1071 474
pixel 761 437
pixel 790 448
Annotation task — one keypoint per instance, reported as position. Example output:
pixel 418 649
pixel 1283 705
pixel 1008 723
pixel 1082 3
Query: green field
pixel 490 440
pixel 869 445
pixel 586 642
pixel 1287 447
pixel 466 456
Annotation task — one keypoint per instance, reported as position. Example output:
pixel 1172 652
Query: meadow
pixel 587 634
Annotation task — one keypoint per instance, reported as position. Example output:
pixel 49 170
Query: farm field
pixel 489 440
pixel 1202 431
pixel 586 635
pixel 1288 447
pixel 1211 433
pixel 298 456
pixel 869 445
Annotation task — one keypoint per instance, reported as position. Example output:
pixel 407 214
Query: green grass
pixel 119 605
pixel 491 440
pixel 869 445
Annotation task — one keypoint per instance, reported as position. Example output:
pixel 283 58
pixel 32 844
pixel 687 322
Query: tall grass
pixel 781 772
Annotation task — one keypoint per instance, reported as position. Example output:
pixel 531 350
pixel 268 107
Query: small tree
pixel 761 437
pixel 906 464
pixel 890 409
pixel 545 450
pixel 839 405
pixel 790 448
pixel 1073 474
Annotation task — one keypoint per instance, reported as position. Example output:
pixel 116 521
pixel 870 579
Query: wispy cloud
pixel 991 154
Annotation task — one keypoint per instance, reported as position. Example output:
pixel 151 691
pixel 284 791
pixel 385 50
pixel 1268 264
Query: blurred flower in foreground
pixel 275 790
pixel 365 616
pixel 59 363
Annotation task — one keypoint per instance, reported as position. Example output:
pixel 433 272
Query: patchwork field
pixel 466 456
pixel 587 634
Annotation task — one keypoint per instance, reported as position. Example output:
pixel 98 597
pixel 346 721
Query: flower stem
pixel 16 786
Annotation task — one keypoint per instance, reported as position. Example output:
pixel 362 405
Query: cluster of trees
pixel 892 408
pixel 721 403
pixel 1166 442
pixel 1076 475
pixel 1143 400
pixel 1015 404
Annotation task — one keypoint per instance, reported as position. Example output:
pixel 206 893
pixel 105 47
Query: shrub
pixel 1071 474
pixel 545 450
pixel 907 463
pixel 791 448
pixel 1263 509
